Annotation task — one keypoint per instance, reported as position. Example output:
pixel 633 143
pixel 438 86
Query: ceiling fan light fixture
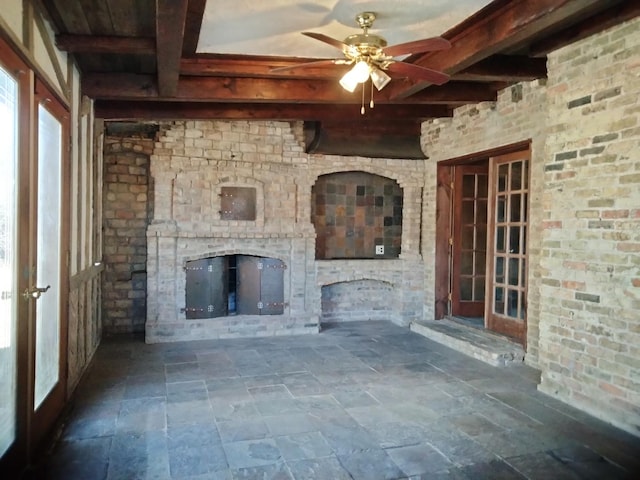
pixel 358 74
pixel 379 78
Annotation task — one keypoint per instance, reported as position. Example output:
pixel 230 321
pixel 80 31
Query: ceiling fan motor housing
pixel 365 46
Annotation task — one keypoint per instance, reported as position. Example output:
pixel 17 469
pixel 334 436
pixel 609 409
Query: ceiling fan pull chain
pixel 371 103
pixel 362 108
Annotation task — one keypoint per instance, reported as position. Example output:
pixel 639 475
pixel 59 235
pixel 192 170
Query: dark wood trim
pixel 485 154
pixel 444 197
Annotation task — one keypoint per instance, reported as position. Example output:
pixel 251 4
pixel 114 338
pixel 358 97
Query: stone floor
pixel 358 401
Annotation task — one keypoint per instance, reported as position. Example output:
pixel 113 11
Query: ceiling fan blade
pixel 417 46
pixel 326 39
pixel 302 66
pixel 416 72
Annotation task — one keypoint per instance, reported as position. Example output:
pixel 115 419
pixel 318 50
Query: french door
pixel 506 306
pixel 469 240
pixel 33 275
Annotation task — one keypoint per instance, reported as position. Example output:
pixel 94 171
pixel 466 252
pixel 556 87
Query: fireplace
pixel 231 196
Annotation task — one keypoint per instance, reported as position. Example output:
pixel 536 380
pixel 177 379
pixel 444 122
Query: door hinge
pixel 451 241
pixel 449 296
pixel 260 267
pixel 260 305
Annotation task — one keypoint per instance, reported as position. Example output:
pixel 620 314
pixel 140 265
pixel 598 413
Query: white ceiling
pixel 272 27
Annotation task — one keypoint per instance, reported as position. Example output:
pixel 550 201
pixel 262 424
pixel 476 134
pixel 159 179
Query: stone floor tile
pixel 270 392
pixel 589 464
pixel 142 414
pixel 355 398
pixel 280 425
pixel 189 461
pixel 426 398
pixel 419 459
pixel 224 410
pixel 274 471
pixel 474 424
pixel 492 470
pixel 193 435
pixel 151 385
pixel 319 469
pixel 189 412
pixel 79 460
pixel 541 466
pixel 286 406
pixel 370 464
pixel 81 428
pixel 252 453
pixel 302 446
pixel 187 391
pixel 242 429
pixel 139 468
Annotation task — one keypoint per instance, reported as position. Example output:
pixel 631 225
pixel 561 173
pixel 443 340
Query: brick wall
pixel 590 261
pixel 125 219
pixel 584 257
pixel 511 119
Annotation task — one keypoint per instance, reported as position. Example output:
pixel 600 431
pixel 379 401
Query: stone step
pixel 477 343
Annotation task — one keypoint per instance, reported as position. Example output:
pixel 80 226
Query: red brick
pixel 573 285
pixel 550 224
pixel 615 213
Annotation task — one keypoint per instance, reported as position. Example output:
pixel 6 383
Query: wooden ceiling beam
pixel 170 23
pixel 268 90
pixel 504 68
pixel 223 65
pixel 106 44
pixel 613 16
pixel 497 28
pixel 193 24
pixel 145 110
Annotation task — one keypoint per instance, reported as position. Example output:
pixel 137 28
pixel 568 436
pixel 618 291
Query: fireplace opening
pixel 234 285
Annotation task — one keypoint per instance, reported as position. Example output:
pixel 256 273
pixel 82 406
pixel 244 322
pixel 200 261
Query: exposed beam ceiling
pixel 139 59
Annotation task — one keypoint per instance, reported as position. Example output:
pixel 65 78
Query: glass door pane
pixel 48 248
pixel 8 244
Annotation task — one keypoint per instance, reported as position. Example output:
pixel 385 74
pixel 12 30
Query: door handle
pixel 34 292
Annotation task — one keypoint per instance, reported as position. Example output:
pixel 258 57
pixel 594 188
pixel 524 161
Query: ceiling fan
pixel 371 58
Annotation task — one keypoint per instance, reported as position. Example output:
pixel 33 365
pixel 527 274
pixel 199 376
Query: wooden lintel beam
pixel 170 23
pixel 505 27
pixel 145 110
pixel 504 68
pixel 106 44
pixel 267 90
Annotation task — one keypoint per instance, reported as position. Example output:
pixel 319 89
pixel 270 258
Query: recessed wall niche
pixel 356 215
